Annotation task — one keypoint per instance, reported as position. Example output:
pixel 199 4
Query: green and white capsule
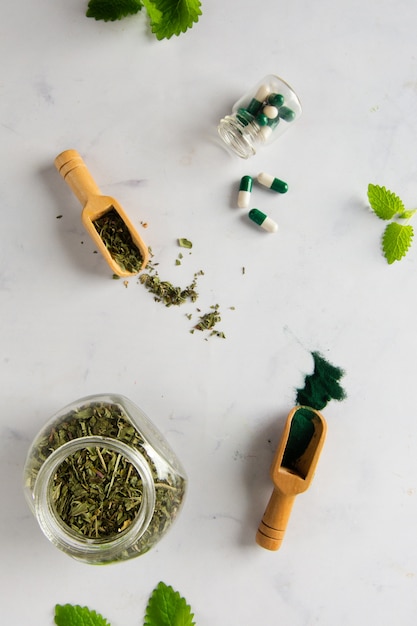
pixel 287 114
pixel 270 111
pixel 245 190
pixel 266 131
pixel 263 220
pixel 276 99
pixel 244 117
pixel 258 99
pixel 261 119
pixel 272 183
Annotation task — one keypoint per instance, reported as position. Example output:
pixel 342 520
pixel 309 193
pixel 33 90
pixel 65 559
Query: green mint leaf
pixel 384 202
pixel 74 615
pixel 111 10
pixel 167 608
pixel 172 17
pixel 396 241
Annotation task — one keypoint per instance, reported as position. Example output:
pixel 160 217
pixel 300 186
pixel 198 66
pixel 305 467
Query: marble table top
pixel 143 114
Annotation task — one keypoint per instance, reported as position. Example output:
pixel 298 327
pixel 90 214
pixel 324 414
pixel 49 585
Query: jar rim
pixel 60 533
pixel 235 136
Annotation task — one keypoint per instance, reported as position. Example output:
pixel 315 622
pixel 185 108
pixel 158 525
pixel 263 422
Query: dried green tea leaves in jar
pixel 111 482
pixel 97 492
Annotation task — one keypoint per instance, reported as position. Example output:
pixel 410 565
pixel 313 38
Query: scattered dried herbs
pixel 118 241
pixel 169 294
pixel 209 320
pixel 166 292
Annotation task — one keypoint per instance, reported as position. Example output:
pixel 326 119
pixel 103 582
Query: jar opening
pixel 236 137
pixel 96 492
pixel 62 499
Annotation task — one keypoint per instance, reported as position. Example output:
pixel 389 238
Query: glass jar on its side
pixel 260 116
pixel 102 482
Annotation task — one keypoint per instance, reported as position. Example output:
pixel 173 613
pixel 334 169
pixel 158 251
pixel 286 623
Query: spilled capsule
pixel 263 220
pixel 272 183
pixel 245 190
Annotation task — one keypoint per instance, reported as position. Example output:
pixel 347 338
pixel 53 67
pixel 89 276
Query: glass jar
pixel 102 482
pixel 260 116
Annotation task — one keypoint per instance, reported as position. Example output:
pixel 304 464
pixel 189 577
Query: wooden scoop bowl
pixel 292 471
pixel 75 173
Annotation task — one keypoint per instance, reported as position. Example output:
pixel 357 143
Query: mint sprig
pixel 167 17
pixel 397 237
pixel 166 607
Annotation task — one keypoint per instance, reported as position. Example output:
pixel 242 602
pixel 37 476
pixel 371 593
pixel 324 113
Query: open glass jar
pixel 260 116
pixel 102 482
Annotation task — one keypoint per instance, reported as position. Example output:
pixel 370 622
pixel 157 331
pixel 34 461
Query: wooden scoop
pixel 292 471
pixel 74 171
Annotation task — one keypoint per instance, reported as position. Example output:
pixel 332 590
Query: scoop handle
pixel 75 173
pixel 272 528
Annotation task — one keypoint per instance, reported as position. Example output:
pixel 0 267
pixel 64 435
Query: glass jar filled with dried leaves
pixel 102 481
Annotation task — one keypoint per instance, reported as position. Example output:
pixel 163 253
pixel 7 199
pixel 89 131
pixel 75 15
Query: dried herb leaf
pixel 185 243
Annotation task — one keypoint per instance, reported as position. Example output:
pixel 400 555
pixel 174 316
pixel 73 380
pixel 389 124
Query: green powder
pixel 301 433
pixel 322 385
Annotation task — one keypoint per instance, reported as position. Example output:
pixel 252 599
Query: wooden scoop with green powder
pixel 104 218
pixel 292 471
pixel 299 449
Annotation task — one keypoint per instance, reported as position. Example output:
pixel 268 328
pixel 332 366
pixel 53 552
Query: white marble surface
pixel 143 114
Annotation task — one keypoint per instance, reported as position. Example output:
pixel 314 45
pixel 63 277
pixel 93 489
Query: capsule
pixel 263 220
pixel 262 119
pixel 245 189
pixel 272 183
pixel 286 114
pixel 270 111
pixel 244 116
pixel 258 99
pixel 276 99
pixel 266 131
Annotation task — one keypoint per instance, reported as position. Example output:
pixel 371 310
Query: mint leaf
pixel 384 202
pixel 167 608
pixel 172 17
pixel 111 10
pixel 396 241
pixel 74 615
